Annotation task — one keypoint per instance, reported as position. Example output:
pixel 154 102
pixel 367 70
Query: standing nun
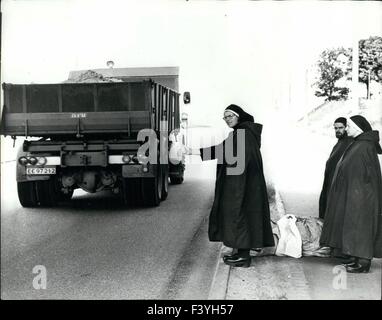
pixel 353 217
pixel 240 216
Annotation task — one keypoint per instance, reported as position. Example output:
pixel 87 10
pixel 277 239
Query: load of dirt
pixel 91 76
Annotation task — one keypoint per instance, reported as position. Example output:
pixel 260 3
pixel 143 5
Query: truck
pixel 87 134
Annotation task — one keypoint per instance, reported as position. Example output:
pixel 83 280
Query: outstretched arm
pixel 192 151
pixel 210 153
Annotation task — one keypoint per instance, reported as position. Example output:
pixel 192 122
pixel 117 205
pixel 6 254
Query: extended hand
pixel 191 151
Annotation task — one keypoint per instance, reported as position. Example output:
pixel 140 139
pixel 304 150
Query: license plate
pixel 41 170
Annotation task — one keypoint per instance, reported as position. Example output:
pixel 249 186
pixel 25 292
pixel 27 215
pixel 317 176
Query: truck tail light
pixel 126 158
pixel 23 161
pixel 135 159
pixel 41 161
pixel 33 161
pixel 142 159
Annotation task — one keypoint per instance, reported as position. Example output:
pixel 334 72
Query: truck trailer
pixel 89 136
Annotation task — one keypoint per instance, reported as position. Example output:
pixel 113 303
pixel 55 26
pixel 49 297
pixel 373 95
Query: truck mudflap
pixel 139 171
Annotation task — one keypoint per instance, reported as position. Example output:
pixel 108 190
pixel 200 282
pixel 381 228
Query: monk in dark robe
pixel 343 141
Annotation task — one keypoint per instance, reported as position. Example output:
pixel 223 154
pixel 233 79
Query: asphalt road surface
pixel 93 247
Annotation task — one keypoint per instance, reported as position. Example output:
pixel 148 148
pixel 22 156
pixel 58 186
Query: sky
pixel 252 53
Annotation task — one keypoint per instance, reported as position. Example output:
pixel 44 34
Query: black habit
pixel 331 163
pixel 353 217
pixel 240 216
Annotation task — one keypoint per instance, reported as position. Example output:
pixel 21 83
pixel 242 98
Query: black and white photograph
pixel 200 150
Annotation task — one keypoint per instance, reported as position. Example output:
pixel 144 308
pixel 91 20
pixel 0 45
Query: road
pixel 95 248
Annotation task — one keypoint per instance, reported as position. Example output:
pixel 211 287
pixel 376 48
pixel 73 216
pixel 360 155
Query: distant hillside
pixel 321 118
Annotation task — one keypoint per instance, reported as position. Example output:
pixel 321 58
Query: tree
pixel 333 65
pixel 370 60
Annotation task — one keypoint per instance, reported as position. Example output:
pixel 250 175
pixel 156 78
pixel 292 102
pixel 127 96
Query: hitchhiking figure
pixel 353 217
pixel 240 216
pixel 343 141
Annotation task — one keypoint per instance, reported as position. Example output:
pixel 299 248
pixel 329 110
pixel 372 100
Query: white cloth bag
pixel 290 243
pixel 177 149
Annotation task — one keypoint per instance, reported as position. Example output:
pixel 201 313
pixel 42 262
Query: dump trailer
pixel 89 136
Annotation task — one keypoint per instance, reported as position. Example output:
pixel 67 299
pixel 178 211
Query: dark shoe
pixel 244 262
pixel 349 262
pixel 358 268
pixel 230 256
pixel 342 256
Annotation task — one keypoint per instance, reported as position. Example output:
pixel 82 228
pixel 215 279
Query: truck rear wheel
pixel 176 180
pixel 177 173
pixel 27 194
pixel 164 192
pixel 47 193
pixel 65 196
pixel 152 189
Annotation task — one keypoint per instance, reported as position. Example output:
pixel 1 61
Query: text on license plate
pixel 41 170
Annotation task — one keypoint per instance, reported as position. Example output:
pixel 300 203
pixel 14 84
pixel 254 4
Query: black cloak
pixel 240 216
pixel 331 163
pixel 353 217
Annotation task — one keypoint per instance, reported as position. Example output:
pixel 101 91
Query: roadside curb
pixel 279 203
pixel 220 282
pixel 218 290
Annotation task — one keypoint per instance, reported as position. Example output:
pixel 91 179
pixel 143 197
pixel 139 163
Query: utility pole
pixel 368 83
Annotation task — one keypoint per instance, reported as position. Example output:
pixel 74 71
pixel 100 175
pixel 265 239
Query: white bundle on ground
pixel 290 242
pixel 309 229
